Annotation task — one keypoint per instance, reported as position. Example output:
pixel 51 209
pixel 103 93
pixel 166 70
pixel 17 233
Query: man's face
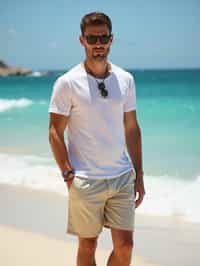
pixel 97 51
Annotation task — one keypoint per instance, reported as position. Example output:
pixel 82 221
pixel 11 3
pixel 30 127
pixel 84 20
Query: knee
pixel 88 245
pixel 124 249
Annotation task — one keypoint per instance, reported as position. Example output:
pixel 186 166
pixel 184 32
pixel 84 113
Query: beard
pixel 98 54
pixel 99 57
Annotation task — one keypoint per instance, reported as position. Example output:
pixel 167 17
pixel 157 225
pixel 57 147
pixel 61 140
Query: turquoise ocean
pixel 168 110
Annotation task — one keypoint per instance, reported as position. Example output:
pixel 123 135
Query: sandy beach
pixel 25 248
pixel 33 223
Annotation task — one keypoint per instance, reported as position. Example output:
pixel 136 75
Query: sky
pixel 148 34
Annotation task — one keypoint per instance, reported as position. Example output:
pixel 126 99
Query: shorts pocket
pixel 81 183
pixel 132 174
pixel 130 179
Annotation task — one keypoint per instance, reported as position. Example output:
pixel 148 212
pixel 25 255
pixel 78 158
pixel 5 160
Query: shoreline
pixel 28 214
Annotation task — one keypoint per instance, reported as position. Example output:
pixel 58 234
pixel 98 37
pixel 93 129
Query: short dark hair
pixel 95 19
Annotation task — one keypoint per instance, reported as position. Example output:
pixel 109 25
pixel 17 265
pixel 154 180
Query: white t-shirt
pixel 95 132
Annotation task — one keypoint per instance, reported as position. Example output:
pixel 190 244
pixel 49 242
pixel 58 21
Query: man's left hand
pixel 139 190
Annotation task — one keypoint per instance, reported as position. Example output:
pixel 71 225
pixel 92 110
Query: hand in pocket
pixel 69 183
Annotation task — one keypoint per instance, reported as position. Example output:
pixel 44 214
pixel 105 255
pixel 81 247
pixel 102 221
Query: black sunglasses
pixel 103 39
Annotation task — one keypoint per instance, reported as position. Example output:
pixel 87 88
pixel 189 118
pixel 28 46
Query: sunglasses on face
pixel 103 39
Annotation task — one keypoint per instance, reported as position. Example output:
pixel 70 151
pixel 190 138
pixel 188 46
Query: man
pixel 96 102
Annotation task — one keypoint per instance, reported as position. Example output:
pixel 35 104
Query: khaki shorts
pixel 95 203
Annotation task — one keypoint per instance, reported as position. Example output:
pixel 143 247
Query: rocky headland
pixel 6 70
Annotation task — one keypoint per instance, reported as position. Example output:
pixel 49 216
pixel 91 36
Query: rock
pixel 6 70
pixel 2 64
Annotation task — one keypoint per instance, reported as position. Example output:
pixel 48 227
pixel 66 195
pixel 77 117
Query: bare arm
pixel 134 147
pixel 57 125
pixel 133 140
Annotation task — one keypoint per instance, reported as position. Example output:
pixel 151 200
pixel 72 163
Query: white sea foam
pixel 7 104
pixel 168 196
pixel 165 195
pixel 36 74
pixel 32 171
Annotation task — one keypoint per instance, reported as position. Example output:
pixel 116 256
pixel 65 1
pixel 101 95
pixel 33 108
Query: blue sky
pixel 147 33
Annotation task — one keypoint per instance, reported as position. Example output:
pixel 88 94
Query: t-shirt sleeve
pixel 130 102
pixel 61 102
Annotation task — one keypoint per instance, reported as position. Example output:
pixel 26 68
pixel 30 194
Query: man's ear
pixel 111 39
pixel 81 39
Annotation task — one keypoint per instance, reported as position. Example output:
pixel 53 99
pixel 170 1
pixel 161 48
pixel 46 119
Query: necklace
pixel 101 85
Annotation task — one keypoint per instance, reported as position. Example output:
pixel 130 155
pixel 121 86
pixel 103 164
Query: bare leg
pixel 122 248
pixel 86 251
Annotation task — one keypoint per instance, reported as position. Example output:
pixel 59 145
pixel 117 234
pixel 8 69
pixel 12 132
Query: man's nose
pixel 98 42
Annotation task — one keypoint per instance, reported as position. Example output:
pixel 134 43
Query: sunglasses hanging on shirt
pixel 101 84
pixel 102 88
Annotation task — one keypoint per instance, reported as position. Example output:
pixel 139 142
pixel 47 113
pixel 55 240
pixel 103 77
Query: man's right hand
pixel 69 183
